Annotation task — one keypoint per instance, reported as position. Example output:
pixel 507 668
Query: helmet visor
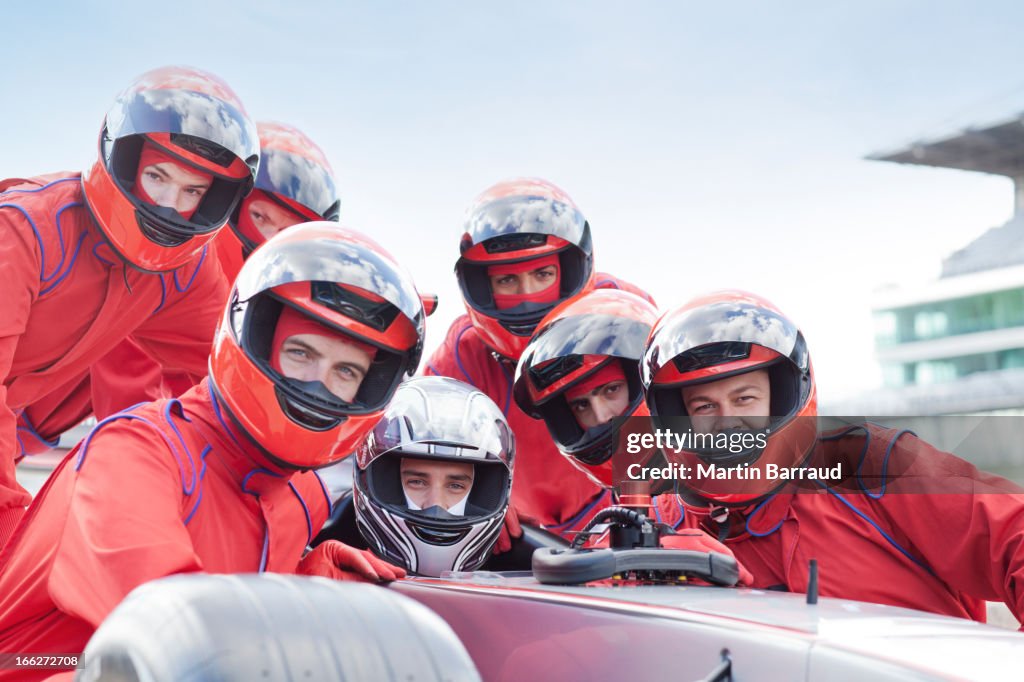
pixel 608 335
pixel 191 113
pixel 330 258
pixel 436 490
pixel 446 426
pixel 731 326
pixel 299 179
pixel 509 224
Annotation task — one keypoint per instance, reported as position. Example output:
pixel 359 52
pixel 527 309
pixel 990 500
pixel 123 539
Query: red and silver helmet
pixel 344 281
pixel 295 175
pixel 195 119
pixel 722 335
pixel 513 222
pixel 581 344
pixel 434 422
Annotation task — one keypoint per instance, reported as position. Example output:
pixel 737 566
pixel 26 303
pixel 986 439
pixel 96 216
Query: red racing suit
pixel 68 300
pixel 546 486
pixel 165 488
pixel 128 375
pixel 229 252
pixel 916 527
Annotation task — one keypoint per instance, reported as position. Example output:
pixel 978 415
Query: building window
pixel 968 315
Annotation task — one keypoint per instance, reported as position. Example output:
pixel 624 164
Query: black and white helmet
pixel 435 429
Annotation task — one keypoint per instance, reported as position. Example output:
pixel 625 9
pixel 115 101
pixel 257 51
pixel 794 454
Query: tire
pixel 272 627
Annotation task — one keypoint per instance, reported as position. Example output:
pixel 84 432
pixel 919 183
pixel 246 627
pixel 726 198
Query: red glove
pixel 699 541
pixel 512 529
pixel 333 559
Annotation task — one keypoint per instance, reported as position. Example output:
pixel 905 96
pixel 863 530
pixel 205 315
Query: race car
pixel 619 612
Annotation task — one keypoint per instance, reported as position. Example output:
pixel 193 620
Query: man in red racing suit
pixel 220 480
pixel 946 542
pixel 69 300
pixel 119 251
pixel 295 184
pixel 514 269
pixel 897 522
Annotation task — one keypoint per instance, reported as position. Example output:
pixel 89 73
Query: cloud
pixel 439 411
pixel 327 259
pixel 727 321
pixel 526 214
pixel 184 111
pixel 298 178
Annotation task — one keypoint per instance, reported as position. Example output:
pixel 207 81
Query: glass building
pixel 956 345
pixel 946 333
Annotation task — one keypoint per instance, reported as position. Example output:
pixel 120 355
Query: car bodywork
pixel 517 629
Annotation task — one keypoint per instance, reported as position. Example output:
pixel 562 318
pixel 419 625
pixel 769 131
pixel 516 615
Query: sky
pixel 710 145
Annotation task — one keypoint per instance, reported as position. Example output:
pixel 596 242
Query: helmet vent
pixel 438 537
pixel 550 372
pixel 158 235
pixel 711 355
pixel 304 416
pixel 210 151
pixel 515 242
pixel 375 314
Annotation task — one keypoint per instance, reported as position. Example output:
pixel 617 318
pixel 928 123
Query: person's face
pixel 601 405
pixel 430 482
pixel 340 366
pixel 529 282
pixel 738 402
pixel 174 186
pixel 270 218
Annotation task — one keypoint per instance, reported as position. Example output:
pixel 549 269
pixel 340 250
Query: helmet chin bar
pixel 527 322
pixel 596 445
pixel 600 445
pixel 437 536
pixel 435 512
pixel 154 233
pixel 294 398
pixel 314 389
pixel 727 459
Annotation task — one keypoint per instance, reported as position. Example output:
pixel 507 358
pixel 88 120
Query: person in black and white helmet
pixel 433 478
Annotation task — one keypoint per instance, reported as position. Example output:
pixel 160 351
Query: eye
pixel 580 406
pixel 350 372
pixel 297 353
pixel 154 176
pixel 415 482
pixel 458 487
pixel 612 389
pixel 507 280
pixel 703 407
pixel 546 273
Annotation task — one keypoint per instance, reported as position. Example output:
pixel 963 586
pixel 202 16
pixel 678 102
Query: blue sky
pixel 710 146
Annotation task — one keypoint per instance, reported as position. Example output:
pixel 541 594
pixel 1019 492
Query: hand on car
pixel 512 529
pixel 336 560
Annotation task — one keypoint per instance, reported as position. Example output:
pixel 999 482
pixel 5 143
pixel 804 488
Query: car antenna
pixel 812 582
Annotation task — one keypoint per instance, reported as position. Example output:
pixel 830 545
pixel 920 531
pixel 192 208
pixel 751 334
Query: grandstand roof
pixel 996 149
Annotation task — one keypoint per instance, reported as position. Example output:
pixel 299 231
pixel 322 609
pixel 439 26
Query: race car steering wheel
pixel 635 551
